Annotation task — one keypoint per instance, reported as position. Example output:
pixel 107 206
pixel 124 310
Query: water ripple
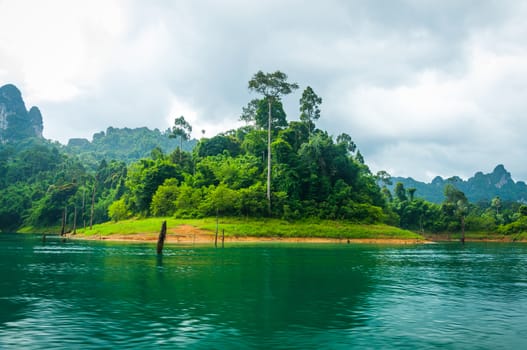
pixel 57 295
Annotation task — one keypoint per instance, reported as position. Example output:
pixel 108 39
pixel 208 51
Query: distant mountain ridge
pixel 16 122
pixel 480 187
pixel 125 144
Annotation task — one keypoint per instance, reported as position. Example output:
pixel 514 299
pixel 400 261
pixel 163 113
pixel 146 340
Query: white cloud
pixel 58 47
pixel 424 88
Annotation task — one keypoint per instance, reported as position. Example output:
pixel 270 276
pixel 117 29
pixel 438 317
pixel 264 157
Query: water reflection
pixel 102 294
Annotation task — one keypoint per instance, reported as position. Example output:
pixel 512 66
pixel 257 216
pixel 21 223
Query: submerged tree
pixel 272 86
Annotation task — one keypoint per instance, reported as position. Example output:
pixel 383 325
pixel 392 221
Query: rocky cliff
pixel 16 122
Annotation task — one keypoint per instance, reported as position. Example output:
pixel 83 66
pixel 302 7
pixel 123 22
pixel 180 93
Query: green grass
pixel 258 228
pixel 46 230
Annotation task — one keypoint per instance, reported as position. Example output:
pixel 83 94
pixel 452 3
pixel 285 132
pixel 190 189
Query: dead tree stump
pixel 161 238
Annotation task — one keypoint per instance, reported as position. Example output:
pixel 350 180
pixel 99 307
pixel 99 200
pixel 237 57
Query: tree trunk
pixel 63 222
pixel 463 229
pixel 92 205
pixel 75 221
pixel 269 160
pixel 83 210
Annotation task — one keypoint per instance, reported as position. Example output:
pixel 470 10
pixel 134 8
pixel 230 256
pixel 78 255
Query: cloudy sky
pixel 425 88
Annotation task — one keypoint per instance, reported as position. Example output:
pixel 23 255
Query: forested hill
pixel 311 174
pixel 127 145
pixel 480 187
pixel 271 167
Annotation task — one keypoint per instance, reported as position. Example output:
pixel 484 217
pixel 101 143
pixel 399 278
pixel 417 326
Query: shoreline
pixel 209 239
pixel 188 234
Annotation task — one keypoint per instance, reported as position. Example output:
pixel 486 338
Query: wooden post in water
pixel 216 237
pixel 161 238
pixel 223 238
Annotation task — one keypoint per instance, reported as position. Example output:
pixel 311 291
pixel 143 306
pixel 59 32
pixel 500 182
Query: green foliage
pixel 220 200
pixel 518 226
pixel 126 145
pixel 188 201
pixel 271 85
pixel 347 141
pixel 181 130
pixel 313 175
pixel 144 177
pixel 400 192
pixel 255 143
pixel 257 113
pixel 218 145
pixel 118 210
pixel 164 199
pixel 310 108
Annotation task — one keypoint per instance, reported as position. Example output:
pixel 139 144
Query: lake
pixel 96 294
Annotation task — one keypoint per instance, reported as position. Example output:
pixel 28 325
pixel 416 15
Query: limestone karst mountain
pixel 16 122
pixel 480 187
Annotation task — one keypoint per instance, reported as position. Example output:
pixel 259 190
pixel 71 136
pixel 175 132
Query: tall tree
pixel 400 192
pixel 309 108
pixel 346 139
pixel 384 178
pixel 496 204
pixel 411 193
pixel 457 200
pixel 181 129
pixel 257 112
pixel 272 86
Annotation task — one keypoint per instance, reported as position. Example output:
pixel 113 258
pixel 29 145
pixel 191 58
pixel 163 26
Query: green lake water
pixel 81 295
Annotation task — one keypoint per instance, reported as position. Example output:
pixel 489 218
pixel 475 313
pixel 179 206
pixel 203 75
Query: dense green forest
pixel 127 145
pixel 312 176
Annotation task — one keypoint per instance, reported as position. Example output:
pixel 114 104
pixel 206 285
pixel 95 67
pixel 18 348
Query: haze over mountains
pixel 17 123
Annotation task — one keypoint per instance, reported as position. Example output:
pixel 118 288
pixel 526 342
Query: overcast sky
pixel 424 88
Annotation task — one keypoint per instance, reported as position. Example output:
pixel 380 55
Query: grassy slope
pixel 258 228
pixel 277 228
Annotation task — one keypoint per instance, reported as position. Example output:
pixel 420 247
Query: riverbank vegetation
pixel 262 227
pixel 269 177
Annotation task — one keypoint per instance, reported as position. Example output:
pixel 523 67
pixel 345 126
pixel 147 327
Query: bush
pixel 118 210
pixel 164 199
